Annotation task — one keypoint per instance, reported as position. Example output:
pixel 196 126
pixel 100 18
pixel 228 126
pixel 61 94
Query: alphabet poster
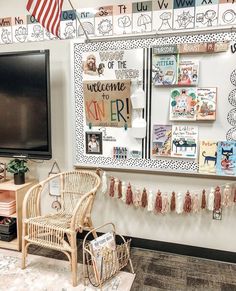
pixel 122 18
pixel 162 15
pixel 206 14
pixel 227 15
pixel 107 103
pixel 19 29
pixel 184 14
pixel 5 30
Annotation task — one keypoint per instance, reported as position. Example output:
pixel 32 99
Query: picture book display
pixel 183 104
pixel 164 69
pixel 188 72
pixel 184 141
pixel 207 156
pixel 161 140
pixel 99 246
pixel 206 103
pixel 226 158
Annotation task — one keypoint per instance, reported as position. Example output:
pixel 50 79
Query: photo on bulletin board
pixel 94 143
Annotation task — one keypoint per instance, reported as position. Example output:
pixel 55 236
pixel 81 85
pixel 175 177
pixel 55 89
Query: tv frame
pixel 28 154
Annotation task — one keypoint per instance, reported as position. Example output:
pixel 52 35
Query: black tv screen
pixel 25 127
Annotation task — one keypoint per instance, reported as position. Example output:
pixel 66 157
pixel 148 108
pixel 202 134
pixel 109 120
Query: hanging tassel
pixel 172 203
pixel 226 195
pixel 165 204
pixel 129 195
pixel 203 205
pixel 98 172
pixel 235 195
pixel 158 204
pixel 217 199
pixel 211 197
pixel 144 199
pixel 112 184
pixel 187 203
pixel 123 191
pixel 137 197
pixel 104 183
pixel 116 187
pixel 179 203
pixel 119 189
pixel 150 206
pixel 195 203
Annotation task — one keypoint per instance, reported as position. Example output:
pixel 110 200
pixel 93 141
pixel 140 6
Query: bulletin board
pixel 215 71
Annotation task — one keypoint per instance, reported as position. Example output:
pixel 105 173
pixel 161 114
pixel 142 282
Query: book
pixel 184 141
pixel 226 158
pixel 188 72
pixel 99 246
pixel 183 103
pixel 161 140
pixel 207 156
pixel 164 69
pixel 206 103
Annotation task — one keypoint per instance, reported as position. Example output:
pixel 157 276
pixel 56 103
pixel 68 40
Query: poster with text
pixel 206 13
pixel 104 21
pixel 5 30
pixel 162 15
pixel 142 16
pixel 86 17
pixel 35 29
pixel 107 103
pixel 122 18
pixel 111 65
pixel 68 24
pixel 19 29
pixel 184 14
pixel 227 12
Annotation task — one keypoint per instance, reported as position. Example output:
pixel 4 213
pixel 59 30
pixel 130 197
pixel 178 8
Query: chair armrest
pixel 31 202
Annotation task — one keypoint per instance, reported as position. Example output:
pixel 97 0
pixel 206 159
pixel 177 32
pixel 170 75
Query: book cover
pixel 99 247
pixel 184 141
pixel 206 103
pixel 188 72
pixel 161 140
pixel 183 104
pixel 164 69
pixel 207 156
pixel 226 158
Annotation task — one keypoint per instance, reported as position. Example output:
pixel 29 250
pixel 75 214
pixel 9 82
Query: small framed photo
pixel 93 143
pixel 217 214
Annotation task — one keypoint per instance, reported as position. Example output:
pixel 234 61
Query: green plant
pixel 17 166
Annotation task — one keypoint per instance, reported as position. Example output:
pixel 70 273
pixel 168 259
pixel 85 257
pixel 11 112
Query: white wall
pixel 196 230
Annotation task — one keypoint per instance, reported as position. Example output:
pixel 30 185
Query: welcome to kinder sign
pixel 107 103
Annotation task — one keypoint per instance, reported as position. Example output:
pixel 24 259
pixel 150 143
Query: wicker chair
pixel 58 231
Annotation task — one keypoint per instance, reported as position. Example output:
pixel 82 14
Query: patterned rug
pixel 46 274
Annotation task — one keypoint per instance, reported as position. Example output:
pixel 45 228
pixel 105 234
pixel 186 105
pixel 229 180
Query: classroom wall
pixel 195 230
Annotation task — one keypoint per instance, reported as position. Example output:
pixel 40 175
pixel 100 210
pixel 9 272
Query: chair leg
pixel 74 267
pixel 24 248
pixel 74 260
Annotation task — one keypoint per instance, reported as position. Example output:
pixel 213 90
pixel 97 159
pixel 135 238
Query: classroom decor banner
pixel 107 103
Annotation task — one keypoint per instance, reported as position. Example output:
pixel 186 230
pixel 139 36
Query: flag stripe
pixel 46 12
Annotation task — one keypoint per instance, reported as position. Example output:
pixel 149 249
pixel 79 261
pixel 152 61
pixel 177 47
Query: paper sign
pixel 107 103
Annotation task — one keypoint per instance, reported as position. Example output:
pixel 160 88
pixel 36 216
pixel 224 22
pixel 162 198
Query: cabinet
pixel 18 192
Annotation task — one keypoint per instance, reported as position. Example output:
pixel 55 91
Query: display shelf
pixel 19 192
pixel 159 172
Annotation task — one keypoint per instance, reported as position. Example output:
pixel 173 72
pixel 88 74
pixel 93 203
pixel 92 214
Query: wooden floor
pixel 164 271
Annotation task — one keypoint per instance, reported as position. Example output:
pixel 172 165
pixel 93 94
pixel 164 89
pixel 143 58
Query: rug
pixel 46 274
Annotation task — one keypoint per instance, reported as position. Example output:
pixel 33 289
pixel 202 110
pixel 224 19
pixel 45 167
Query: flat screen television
pixel 25 126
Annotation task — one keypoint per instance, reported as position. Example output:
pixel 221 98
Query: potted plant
pixel 18 168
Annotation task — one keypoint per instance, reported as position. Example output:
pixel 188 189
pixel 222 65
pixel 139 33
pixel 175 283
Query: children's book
pixel 188 73
pixel 206 103
pixel 184 141
pixel 164 69
pixel 103 247
pixel 183 103
pixel 207 156
pixel 161 140
pixel 226 158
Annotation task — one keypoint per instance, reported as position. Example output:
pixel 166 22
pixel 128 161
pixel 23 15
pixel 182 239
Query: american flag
pixel 46 12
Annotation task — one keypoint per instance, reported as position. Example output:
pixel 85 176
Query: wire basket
pixel 110 261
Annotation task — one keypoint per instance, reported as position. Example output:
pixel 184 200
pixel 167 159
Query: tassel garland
pixel 144 199
pixel 119 189
pixel 158 204
pixel 203 205
pixel 172 203
pixel 187 203
pixel 129 195
pixel 112 186
pixel 217 199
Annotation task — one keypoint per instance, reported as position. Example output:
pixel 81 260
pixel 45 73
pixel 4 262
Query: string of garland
pixel 212 199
